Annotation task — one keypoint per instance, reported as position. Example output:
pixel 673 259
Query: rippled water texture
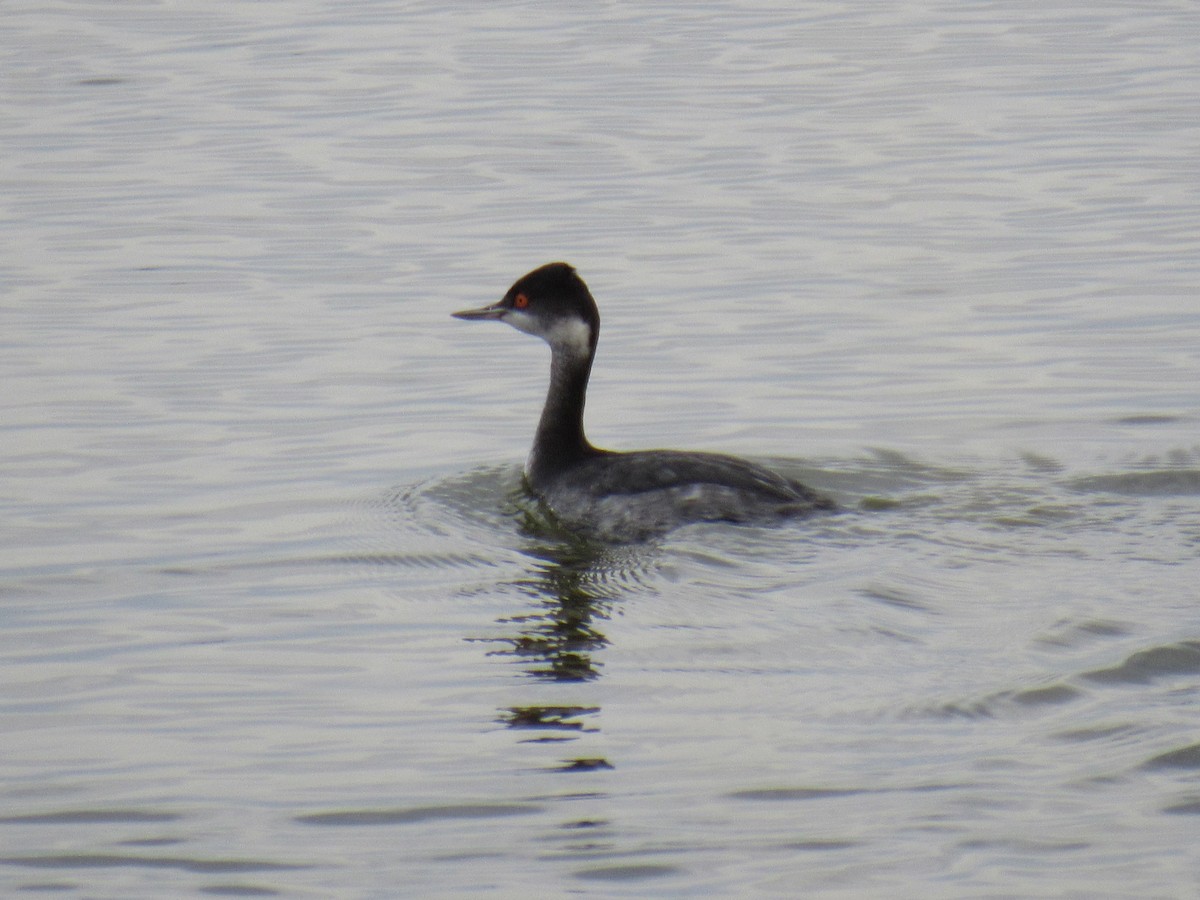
pixel 276 616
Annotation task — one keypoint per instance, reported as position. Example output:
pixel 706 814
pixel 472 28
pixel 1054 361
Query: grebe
pixel 622 496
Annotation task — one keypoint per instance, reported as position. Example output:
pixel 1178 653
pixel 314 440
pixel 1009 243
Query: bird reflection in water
pixel 560 639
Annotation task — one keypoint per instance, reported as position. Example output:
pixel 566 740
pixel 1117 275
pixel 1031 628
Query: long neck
pixel 560 440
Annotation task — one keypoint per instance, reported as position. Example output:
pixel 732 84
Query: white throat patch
pixel 570 336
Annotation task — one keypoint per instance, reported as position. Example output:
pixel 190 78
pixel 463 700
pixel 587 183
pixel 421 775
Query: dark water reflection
pixel 561 640
pixel 575 586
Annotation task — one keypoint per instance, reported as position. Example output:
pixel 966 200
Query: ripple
pixel 1181 758
pixel 1148 419
pixel 896 597
pixel 118 860
pixel 1153 483
pixel 797 793
pixel 1099 733
pixel 1142 667
pixel 1023 845
pixel 805 794
pixel 1073 634
pixel 90 817
pixel 411 815
pixel 822 845
pixel 426 561
pixel 1051 695
pixel 600 572
pixel 481 498
pixel 1148 665
pixel 626 873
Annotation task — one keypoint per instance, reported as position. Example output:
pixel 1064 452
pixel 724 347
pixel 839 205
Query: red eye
pixel 520 301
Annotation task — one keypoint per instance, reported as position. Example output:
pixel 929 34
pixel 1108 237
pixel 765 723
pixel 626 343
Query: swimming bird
pixel 622 496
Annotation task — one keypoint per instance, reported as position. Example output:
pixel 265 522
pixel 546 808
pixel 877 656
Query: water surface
pixel 274 622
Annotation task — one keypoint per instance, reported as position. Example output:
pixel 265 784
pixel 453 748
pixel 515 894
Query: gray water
pixel 273 623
